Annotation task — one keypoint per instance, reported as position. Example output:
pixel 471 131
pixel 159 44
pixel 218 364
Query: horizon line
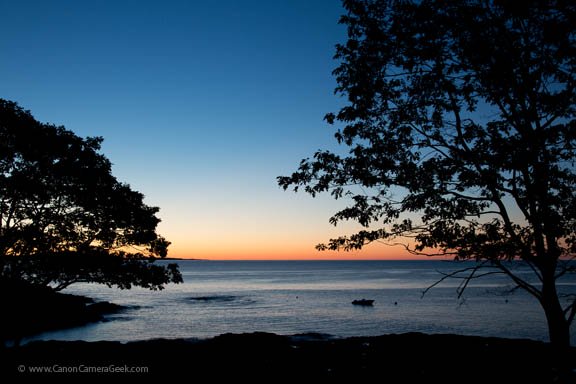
pixel 322 259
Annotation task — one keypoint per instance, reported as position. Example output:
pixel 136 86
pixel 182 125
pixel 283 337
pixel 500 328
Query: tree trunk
pixel 558 330
pixel 558 326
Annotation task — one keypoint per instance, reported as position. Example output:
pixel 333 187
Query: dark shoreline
pixel 409 357
pixel 37 309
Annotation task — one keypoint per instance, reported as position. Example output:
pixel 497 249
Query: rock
pixel 28 309
pixel 265 357
pixel 363 302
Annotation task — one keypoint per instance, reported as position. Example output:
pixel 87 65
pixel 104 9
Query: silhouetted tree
pixel 64 218
pixel 461 130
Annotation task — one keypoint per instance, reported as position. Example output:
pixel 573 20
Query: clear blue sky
pixel 201 105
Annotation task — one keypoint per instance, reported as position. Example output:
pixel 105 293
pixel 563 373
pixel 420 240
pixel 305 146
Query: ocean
pixel 294 297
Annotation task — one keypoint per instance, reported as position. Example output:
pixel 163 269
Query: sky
pixel 202 104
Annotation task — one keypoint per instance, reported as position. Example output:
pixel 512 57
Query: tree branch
pixel 472 275
pixel 570 311
pixel 520 282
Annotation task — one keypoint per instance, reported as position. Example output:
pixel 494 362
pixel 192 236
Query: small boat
pixel 363 302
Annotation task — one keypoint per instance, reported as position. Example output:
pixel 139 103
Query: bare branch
pixel 520 282
pixel 455 274
pixel 535 270
pixel 566 267
pixel 570 311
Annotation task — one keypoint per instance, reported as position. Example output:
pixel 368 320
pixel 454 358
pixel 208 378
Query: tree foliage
pixel 461 130
pixel 65 218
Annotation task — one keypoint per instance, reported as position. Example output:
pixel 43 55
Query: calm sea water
pixel 290 297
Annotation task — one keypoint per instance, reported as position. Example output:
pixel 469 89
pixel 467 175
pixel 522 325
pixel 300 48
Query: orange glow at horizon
pixel 289 232
pixel 296 252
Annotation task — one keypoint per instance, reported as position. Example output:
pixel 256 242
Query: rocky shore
pixel 402 358
pixel 29 310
